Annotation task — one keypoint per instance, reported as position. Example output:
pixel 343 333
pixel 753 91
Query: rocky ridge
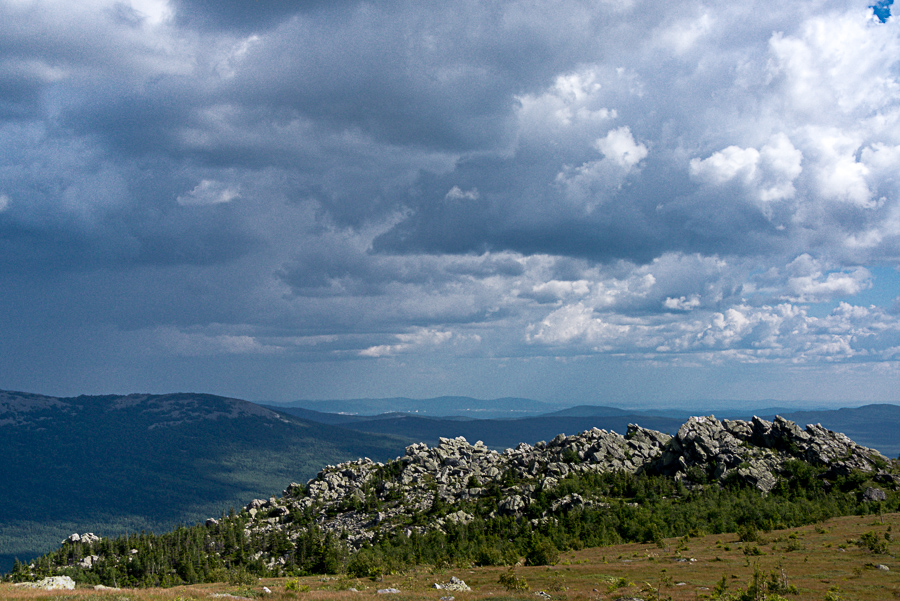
pixel 360 498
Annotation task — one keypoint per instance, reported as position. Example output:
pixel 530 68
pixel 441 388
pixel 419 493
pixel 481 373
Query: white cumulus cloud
pixel 209 192
pixel 620 147
pixel 767 174
pixel 421 338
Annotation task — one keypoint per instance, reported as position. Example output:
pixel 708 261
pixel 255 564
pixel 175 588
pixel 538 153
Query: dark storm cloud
pixel 352 181
pixel 120 241
pixel 132 122
pixel 235 15
pixel 19 96
pixel 423 75
pixel 522 207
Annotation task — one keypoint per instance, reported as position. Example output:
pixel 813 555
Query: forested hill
pixel 115 464
pixel 459 503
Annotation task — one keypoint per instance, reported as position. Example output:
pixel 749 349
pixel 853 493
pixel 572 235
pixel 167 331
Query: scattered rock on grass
pixel 455 584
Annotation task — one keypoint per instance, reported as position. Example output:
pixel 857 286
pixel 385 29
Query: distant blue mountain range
pixel 505 422
pixel 443 406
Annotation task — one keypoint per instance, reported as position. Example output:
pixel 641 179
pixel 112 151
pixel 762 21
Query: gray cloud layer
pixel 418 198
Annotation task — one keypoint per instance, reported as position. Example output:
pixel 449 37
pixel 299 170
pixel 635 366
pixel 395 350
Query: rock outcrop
pixel 756 451
pixel 88 538
pixel 357 499
pixel 439 487
pixel 453 472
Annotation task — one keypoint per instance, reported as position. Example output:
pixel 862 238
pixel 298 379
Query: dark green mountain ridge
pixel 111 464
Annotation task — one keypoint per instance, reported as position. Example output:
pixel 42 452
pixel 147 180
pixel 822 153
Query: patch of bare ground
pixel 840 559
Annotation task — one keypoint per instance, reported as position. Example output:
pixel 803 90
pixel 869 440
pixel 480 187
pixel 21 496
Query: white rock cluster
pixel 53 583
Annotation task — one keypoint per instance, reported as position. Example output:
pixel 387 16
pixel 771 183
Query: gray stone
pixel 86 539
pixel 513 504
pixel 455 584
pixel 872 494
pixel 88 561
pixel 53 583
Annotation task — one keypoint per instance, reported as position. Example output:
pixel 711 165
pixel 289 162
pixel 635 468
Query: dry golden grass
pixel 816 559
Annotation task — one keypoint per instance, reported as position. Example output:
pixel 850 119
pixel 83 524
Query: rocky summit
pixel 357 499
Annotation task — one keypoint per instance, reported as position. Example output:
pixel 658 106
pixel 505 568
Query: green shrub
pixel 295 586
pixel 541 552
pixel 570 456
pixel 512 582
pixel 873 543
pixel 747 533
pixel 489 556
pixel 241 576
pixel 617 583
pixel 365 564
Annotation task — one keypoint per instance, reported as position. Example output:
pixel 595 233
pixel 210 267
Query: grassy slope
pixel 111 471
pixel 816 559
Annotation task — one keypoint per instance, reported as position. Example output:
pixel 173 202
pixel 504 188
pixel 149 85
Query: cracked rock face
pixel 756 451
pixel 357 499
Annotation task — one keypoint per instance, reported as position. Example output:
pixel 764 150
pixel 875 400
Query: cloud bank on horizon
pixel 303 199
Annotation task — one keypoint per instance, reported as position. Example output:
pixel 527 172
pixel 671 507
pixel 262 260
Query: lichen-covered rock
pixel 756 451
pixel 53 583
pixel 873 495
pixel 455 584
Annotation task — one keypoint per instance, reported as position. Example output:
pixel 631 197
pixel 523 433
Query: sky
pixel 628 202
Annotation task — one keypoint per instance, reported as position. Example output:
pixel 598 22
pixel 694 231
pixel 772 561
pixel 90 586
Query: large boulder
pixel 87 538
pixel 53 583
pixel 872 495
